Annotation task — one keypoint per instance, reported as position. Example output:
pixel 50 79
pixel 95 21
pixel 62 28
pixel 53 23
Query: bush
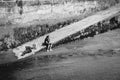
pixel 7 42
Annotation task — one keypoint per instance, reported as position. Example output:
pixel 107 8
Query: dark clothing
pixel 47 43
pixel 28 50
pixel 47 40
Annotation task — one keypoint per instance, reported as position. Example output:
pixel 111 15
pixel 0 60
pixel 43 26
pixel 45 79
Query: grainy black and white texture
pixel 90 53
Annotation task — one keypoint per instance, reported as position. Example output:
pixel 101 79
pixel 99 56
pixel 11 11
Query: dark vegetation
pixel 7 42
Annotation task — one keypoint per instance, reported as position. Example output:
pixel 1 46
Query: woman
pixel 47 43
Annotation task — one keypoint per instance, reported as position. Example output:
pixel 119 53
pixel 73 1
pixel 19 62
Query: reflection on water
pixel 8 70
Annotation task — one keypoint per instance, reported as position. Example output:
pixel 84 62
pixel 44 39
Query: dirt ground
pixel 94 58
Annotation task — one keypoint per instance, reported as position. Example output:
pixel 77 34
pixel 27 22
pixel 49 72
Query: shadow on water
pixel 8 70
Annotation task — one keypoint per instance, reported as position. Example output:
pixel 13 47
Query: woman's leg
pixel 50 47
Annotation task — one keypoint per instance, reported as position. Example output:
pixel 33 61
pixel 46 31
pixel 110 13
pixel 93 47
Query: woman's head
pixel 47 36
